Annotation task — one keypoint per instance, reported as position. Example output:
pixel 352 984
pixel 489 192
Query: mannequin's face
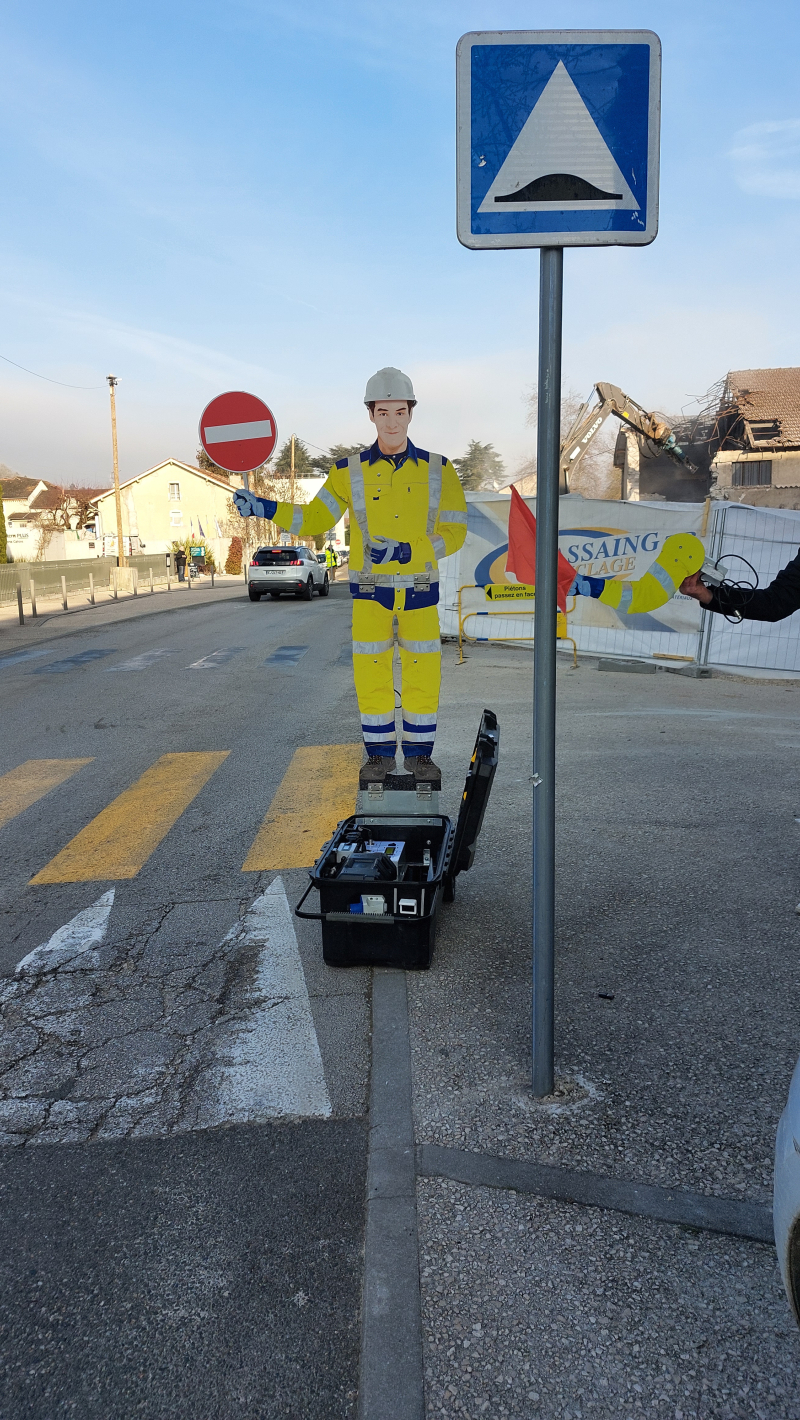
pixel 391 418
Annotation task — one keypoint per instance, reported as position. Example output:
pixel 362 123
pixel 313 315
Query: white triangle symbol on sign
pixel 560 160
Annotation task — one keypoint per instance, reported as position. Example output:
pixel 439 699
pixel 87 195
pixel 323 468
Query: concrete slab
pixel 677 1010
pixel 536 1310
pixel 631 667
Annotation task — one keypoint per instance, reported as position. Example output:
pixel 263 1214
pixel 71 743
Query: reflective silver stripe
pixel 434 489
pixel 371 648
pixel 429 720
pixel 331 503
pixel 419 737
pixel 421 648
pixel 662 575
pixel 382 722
pixel 626 598
pixel 439 546
pixel 421 581
pixel 453 516
pixel 358 498
pixel 297 519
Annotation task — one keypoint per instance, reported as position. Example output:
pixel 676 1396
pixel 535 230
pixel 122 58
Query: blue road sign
pixel 558 138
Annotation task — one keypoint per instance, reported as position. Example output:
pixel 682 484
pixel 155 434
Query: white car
pixel 286 569
pixel 786 1196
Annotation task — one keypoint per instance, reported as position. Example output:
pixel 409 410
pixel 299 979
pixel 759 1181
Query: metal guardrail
pixel 70 577
pixel 47 576
pixel 65 578
pixel 464 616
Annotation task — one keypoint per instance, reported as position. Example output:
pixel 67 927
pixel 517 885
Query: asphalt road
pixel 181 1228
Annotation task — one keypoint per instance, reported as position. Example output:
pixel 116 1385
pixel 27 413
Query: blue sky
pixel 259 194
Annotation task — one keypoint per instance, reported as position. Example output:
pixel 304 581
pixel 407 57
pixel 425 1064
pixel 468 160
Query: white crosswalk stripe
pixel 94 1047
pixel 140 662
pixel 70 948
pixel 267 1062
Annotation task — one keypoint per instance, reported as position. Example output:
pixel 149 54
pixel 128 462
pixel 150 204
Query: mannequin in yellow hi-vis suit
pixel 407 511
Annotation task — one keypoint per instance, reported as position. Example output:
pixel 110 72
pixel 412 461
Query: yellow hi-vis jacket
pixel 421 503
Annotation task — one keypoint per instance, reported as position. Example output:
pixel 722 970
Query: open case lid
pixel 476 795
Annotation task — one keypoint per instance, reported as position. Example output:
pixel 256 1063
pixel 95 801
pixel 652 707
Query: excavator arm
pixel 590 420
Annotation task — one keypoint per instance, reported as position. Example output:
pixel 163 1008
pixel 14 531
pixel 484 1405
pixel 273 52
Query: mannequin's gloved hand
pixel 385 549
pixel 251 506
pixel 587 587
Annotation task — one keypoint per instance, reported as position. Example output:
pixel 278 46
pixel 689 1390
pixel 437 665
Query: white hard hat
pixel 389 383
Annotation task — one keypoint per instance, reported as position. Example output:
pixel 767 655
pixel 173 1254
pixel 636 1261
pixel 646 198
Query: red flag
pixel 521 559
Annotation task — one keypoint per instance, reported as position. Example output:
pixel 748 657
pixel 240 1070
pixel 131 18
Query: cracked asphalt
pixel 151 1265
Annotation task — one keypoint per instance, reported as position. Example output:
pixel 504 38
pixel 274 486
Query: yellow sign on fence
pixel 509 592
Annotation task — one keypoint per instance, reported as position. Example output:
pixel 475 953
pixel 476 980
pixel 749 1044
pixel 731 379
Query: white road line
pixel 140 662
pixel 217 658
pixel 267 1063
pixel 70 948
pixel 23 656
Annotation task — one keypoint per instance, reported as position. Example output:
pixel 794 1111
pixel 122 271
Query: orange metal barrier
pixel 464 616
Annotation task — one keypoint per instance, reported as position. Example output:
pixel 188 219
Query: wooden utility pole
pixel 291 482
pixel 112 381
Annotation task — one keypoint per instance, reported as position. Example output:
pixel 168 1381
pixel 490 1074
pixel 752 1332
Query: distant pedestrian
pixel 331 562
pixel 180 564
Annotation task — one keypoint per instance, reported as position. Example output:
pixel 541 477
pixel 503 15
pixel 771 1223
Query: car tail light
pixel 298 563
pixel 255 562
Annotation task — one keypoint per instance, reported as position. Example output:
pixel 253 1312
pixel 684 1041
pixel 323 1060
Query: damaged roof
pixel 769 405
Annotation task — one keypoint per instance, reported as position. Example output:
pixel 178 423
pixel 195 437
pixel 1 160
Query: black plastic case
pixel 403 936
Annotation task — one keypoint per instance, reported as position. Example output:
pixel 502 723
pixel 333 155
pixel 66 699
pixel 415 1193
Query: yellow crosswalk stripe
pixel 119 841
pixel 317 790
pixel 21 787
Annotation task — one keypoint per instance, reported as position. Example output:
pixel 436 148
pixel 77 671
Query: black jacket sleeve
pixel 771 603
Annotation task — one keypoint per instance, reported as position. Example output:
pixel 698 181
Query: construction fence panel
pixel 599 538
pixel 608 538
pixel 768 538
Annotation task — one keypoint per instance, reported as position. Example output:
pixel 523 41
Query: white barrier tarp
pixel 768 538
pixel 599 538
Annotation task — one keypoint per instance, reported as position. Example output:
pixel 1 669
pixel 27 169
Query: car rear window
pixel 273 556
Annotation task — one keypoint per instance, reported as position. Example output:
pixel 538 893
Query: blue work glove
pixel 587 587
pixel 251 506
pixel 385 549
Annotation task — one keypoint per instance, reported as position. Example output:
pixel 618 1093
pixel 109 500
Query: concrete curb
pixel 644 1200
pixel 391 1385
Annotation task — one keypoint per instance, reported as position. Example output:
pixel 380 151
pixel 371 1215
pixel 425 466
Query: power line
pixel 47 377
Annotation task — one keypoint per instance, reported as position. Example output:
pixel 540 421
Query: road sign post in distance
pixel 238 432
pixel 557 143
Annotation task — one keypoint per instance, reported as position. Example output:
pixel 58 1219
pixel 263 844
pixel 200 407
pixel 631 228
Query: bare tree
pixel 257 532
pixel 595 476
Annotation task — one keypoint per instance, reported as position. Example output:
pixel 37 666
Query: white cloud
pixel 766 158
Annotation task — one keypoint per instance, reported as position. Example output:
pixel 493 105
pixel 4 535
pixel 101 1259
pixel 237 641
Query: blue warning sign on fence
pixel 558 138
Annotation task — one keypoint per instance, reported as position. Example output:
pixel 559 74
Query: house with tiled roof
pixel 171 502
pixel 44 520
pixel 757 458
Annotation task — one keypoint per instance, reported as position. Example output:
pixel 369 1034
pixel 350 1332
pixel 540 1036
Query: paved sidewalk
pixel 677 1028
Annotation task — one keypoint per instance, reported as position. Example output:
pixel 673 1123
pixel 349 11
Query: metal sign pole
pixel 544 663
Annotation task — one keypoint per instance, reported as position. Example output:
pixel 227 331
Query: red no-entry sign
pixel 238 431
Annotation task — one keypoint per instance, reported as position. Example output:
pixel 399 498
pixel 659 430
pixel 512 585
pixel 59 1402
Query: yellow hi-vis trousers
pixel 421 670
